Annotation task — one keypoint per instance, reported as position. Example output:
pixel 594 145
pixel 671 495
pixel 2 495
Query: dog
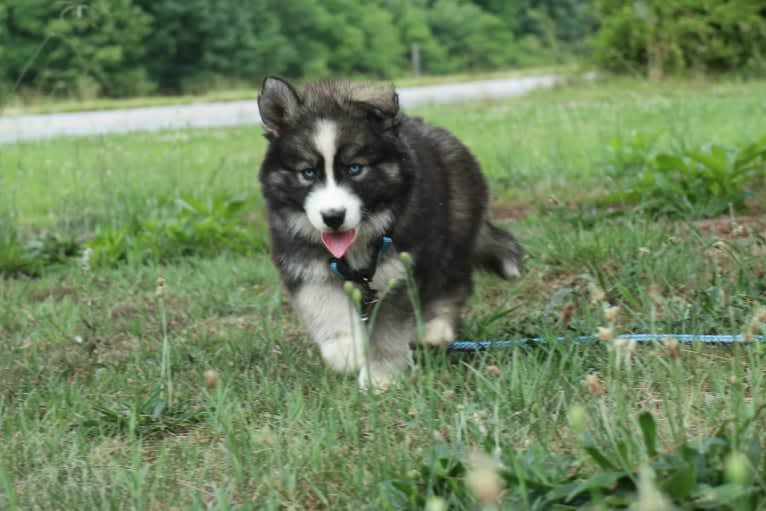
pixel 346 175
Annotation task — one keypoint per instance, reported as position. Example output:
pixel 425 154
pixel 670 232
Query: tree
pixel 363 39
pixel 4 81
pixel 549 29
pixel 307 29
pixel 197 42
pixel 24 25
pixel 87 49
pixel 175 46
pixel 657 37
pixel 128 47
pixel 473 38
pixel 243 39
pixel 411 19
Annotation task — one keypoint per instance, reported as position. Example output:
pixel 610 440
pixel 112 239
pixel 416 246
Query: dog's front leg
pixel 393 331
pixel 333 323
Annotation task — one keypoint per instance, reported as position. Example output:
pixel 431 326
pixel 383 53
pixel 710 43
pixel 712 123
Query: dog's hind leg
pixel 498 251
pixel 442 316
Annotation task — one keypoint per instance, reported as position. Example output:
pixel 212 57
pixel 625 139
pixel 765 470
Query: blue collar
pixel 341 268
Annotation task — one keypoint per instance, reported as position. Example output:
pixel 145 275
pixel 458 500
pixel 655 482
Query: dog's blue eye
pixel 354 169
pixel 309 174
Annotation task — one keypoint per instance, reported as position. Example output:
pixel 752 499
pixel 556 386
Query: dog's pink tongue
pixel 338 243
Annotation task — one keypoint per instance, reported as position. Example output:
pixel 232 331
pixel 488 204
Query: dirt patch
pixel 56 293
pixel 115 349
pixel 217 325
pixel 731 228
pixel 509 211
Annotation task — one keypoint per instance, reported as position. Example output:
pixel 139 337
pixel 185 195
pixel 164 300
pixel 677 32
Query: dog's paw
pixel 343 354
pixel 377 377
pixel 510 269
pixel 438 332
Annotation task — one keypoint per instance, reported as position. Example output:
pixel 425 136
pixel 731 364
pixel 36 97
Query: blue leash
pixel 465 345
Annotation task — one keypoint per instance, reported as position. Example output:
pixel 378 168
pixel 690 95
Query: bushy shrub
pixel 656 37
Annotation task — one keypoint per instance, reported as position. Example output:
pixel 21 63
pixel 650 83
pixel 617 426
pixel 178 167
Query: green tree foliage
pixel 411 21
pixel 24 29
pixel 340 37
pixel 473 39
pixel 656 37
pixel 70 48
pixel 3 51
pixel 177 41
pixel 548 30
pixel 129 47
pixel 3 34
pixel 195 43
pixel 126 47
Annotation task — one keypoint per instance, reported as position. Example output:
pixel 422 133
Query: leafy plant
pixel 185 227
pixel 14 259
pixel 143 416
pixel 722 472
pixel 20 257
pixel 629 155
pixel 53 248
pixel 179 228
pixel 700 183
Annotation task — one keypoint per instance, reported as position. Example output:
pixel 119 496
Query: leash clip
pixel 362 277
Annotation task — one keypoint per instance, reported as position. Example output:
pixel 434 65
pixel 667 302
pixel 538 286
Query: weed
pixel 150 415
pixel 627 156
pixel 15 259
pixel 721 472
pixel 698 184
pixel 51 249
pixel 19 257
pixel 183 228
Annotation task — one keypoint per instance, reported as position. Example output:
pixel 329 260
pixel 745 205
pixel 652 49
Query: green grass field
pixel 105 402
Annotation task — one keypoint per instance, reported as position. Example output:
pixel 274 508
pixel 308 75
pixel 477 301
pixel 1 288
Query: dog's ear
pixel 380 102
pixel 277 104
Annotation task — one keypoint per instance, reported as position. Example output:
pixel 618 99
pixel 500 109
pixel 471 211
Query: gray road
pixel 34 127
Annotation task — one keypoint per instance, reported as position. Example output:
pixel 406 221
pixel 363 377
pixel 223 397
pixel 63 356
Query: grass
pixel 105 401
pixel 37 104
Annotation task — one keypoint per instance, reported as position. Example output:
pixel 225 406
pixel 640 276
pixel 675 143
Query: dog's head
pixel 335 164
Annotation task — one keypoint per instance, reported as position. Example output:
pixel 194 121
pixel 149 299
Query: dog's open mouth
pixel 338 243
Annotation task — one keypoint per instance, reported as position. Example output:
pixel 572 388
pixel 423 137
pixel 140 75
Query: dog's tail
pixel 498 251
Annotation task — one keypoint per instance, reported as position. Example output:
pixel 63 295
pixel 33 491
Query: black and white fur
pixel 417 183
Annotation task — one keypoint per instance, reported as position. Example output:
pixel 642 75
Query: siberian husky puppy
pixel 346 174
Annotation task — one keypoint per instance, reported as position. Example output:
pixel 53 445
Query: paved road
pixel 33 127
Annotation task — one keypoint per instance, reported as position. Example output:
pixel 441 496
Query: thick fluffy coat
pixel 344 167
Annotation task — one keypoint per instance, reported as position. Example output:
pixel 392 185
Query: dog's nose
pixel 333 218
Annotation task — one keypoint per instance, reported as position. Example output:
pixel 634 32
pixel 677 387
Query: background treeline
pixel 133 47
pixel 655 37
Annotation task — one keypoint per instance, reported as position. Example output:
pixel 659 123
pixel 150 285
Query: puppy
pixel 350 182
